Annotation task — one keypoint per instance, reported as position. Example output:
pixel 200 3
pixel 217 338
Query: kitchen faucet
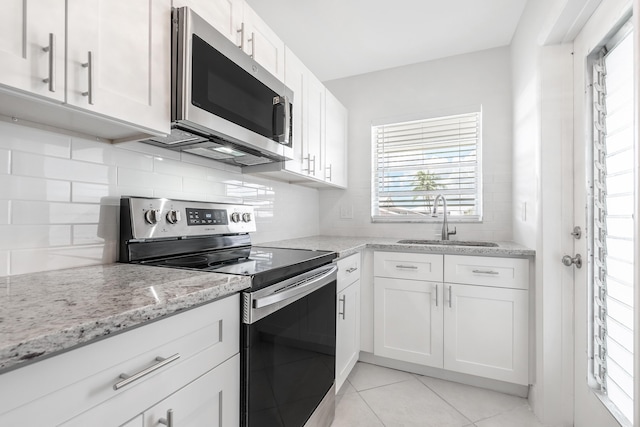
pixel 445 227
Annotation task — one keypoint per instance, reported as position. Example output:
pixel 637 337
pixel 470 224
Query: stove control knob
pixel 246 217
pixel 173 216
pixel 152 216
pixel 235 217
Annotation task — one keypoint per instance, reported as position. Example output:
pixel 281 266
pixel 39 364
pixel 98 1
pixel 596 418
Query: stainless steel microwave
pixel 225 105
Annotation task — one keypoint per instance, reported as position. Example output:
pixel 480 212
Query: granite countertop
pixel 346 246
pixel 45 313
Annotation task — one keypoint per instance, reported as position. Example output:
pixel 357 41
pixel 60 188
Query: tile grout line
pixel 367 403
pixel 444 400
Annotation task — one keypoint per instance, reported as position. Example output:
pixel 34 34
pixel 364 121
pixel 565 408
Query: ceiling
pixel 340 38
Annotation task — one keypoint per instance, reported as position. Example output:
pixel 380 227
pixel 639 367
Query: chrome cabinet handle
pixel 407 267
pixel 241 31
pixel 253 45
pixel 89 66
pixel 167 421
pixel 352 269
pixel 309 159
pixel 449 296
pixel 485 272
pixel 328 178
pixel 343 300
pixel 128 379
pixel 51 49
pixel 436 295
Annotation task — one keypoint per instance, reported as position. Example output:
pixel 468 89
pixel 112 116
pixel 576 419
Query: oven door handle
pixel 297 289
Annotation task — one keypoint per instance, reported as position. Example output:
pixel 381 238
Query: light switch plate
pixel 346 212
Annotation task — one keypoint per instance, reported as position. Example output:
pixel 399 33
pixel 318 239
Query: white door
pixel 591 406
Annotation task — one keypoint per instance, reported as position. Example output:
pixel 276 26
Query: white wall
pixel 440 86
pixel 59 196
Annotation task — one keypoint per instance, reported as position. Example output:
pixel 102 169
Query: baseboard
pixel 500 386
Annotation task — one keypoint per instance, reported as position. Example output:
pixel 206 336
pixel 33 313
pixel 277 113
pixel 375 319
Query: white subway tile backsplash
pixel 5 257
pixel 87 234
pixel 59 196
pixel 149 179
pixel 5 162
pixel 92 151
pixel 27 164
pixel 5 207
pixel 26 188
pixel 82 192
pixel 22 261
pixel 29 212
pixel 21 138
pixel 38 236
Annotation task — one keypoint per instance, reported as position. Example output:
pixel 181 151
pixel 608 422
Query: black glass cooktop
pixel 264 265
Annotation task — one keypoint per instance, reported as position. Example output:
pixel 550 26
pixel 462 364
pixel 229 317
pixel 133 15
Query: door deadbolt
pixel 577 232
pixel 577 260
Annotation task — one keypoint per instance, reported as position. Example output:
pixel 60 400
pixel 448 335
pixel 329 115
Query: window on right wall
pixel 415 160
pixel 611 207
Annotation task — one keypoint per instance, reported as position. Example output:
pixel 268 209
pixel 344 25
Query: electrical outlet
pixel 346 212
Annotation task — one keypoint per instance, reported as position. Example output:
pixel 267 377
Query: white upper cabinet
pixel 224 15
pixel 296 78
pixel 335 161
pixel 315 107
pixel 262 43
pixel 32 40
pixel 118 56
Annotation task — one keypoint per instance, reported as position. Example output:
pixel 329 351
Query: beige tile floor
pixel 375 396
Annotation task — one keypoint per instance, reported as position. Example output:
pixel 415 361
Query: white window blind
pixel 415 161
pixel 613 201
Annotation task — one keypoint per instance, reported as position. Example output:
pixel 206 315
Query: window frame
pixel 441 114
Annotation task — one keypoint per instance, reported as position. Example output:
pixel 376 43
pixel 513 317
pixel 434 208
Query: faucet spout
pixel 445 226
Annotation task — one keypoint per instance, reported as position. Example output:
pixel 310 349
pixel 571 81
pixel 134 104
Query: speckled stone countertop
pixel 346 246
pixel 46 313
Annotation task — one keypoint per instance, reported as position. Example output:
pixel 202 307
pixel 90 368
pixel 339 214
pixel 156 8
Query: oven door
pixel 289 343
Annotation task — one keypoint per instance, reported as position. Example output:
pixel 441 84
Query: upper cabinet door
pixel 224 15
pixel 262 44
pixel 335 163
pixel 315 125
pixel 296 79
pixel 32 40
pixel 117 60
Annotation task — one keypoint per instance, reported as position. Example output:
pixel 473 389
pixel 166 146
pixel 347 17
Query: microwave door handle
pixel 284 102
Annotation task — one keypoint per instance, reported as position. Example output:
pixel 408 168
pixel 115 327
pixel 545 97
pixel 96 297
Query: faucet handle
pixel 451 232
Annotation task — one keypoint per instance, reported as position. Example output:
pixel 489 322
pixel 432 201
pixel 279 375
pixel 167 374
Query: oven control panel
pixel 165 218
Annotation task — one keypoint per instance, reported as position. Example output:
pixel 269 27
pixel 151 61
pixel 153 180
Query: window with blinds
pixel 414 161
pixel 612 209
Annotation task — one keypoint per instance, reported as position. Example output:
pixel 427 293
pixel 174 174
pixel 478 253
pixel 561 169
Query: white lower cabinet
pixel 212 400
pixel 477 326
pixel 167 361
pixel 347 317
pixel 408 320
pixel 486 332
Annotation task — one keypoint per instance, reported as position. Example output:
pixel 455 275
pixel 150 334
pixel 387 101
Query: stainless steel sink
pixel 449 243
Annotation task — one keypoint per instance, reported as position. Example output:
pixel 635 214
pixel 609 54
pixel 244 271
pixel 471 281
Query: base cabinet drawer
pixel 488 271
pixel 83 380
pixel 411 266
pixel 348 271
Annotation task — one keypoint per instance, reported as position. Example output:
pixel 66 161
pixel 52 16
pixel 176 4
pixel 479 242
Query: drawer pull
pixel 352 269
pixel 343 300
pixel 485 272
pixel 407 267
pixel 128 379
pixel 167 421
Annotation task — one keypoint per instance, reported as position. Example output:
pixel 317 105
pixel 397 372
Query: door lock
pixel 577 260
pixel 577 232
